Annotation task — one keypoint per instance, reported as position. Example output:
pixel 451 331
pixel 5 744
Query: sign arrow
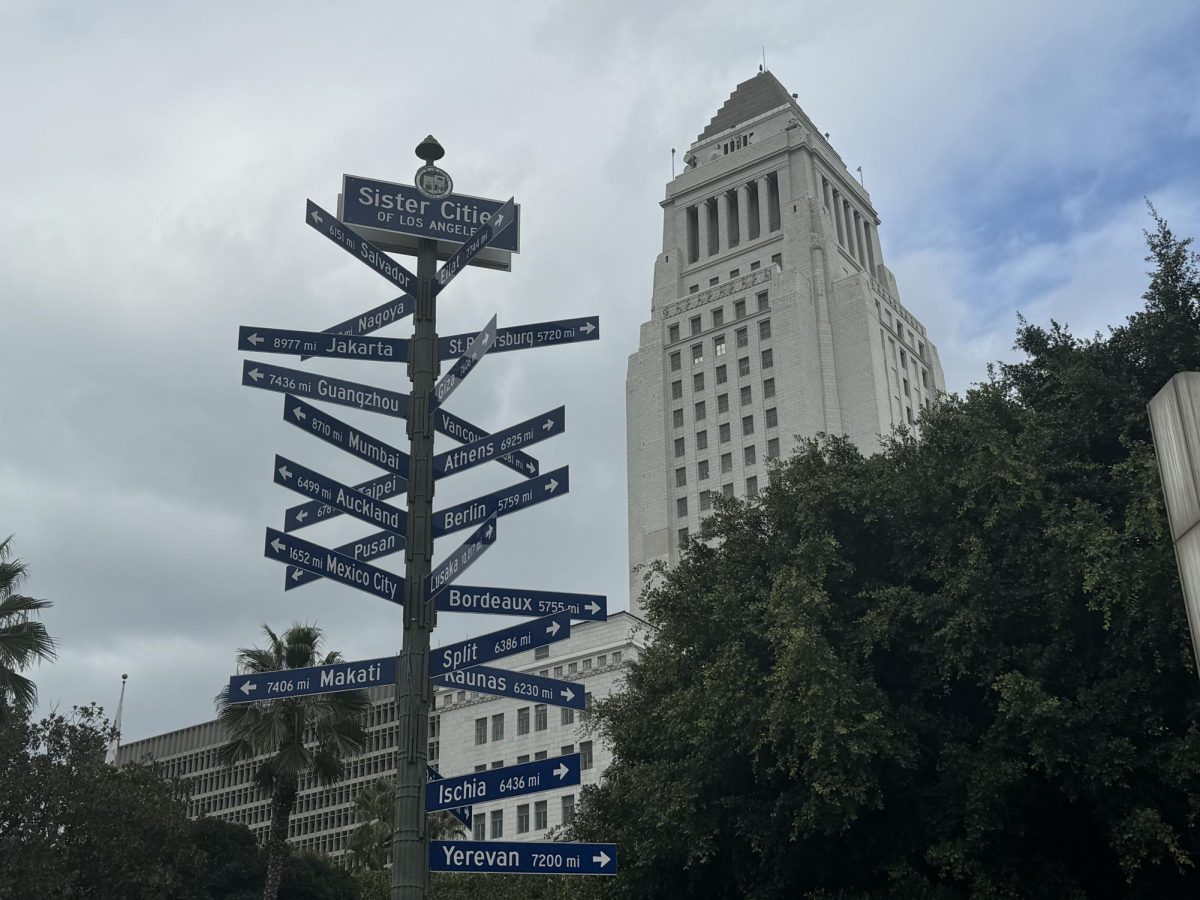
pixel 248 687
pixel 283 470
pixel 520 435
pixel 277 545
pixel 255 339
pixel 256 375
pixel 602 858
pixel 479 239
pixel 561 772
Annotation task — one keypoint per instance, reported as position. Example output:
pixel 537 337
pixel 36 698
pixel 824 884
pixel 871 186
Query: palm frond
pixel 22 690
pixel 257 659
pixel 23 642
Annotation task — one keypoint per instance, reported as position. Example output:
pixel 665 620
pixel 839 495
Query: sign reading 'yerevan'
pixel 546 858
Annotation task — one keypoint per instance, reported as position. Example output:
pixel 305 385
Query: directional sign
pixel 459 371
pixel 502 502
pixel 316 343
pixel 343 676
pixel 464 432
pixel 520 435
pixel 381 543
pixel 460 560
pixel 381 488
pixel 374 319
pixel 499 644
pixel 359 247
pixel 321 387
pixel 521 685
pixel 495 601
pixel 462 813
pixel 499 784
pixel 485 234
pixel 401 209
pixel 527 337
pixel 311 483
pixel 354 441
pixel 552 858
pixel 288 548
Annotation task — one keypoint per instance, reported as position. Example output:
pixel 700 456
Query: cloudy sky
pixel 155 164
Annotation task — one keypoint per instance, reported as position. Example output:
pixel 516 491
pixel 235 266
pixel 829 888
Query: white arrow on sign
pixel 303 514
pixel 255 338
pixel 277 545
pixel 248 686
pixel 316 217
pixel 549 424
pixel 552 629
pixel 593 607
pixel 531 467
pixel 299 414
pixel 587 327
pixel 255 374
pixel 297 574
pixel 561 771
pixel 488 534
pixel 285 472
pixel 552 486
pixel 568 694
pixel 603 858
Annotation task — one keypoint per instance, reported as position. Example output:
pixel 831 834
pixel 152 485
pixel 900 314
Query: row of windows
pixel 700 409
pixel 586 757
pixel 696 324
pixel 541 717
pixel 885 316
pixel 776 260
pixel 724 432
pixel 492 825
pixel 749 458
pixel 745 397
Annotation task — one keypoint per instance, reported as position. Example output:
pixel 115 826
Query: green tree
pixel 297 735
pixel 23 639
pixel 959 668
pixel 371 843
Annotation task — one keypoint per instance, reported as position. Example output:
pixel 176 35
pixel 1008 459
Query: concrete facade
pixel 773 318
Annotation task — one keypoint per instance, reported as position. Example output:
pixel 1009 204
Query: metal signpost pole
pixel 410 843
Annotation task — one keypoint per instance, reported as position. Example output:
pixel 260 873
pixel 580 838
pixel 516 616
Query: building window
pixel 739 309
pixel 585 754
pixel 497 823
pixel 701 411
pixel 722 375
pixel 568 809
pixel 693 289
pixel 697 354
pixel 676 362
pixel 768 388
pixel 677 418
pixel 743 366
pixel 718 317
pixel 921 349
pixel 676 390
pixel 479 824
pixel 541 653
pixel 498 727
pixel 749 457
pixel 903 360
pixel 681 507
pixel 702 470
pixel 772 417
pixel 701 440
pixel 747 425
pixel 698 381
pixel 540 818
pixel 773 448
pixel 724 432
pixel 680 448
pixel 777 260
pixel 768 358
pixel 523 720
pixel 462 695
pixel 680 476
pixel 602 660
pixel 567 716
pixel 541 754
pixel 734 273
pixel 727 490
pixel 482 767
pixel 743 337
pixel 763 302
pixel 714 280
pixel 694 324
pixel 751 485
pixel 673 333
pixel 523 818
pixel 906 391
pixel 616 657
pixel 726 463
pixel 746 395
pixel 539 717
pixel 908 412
pixel 705 501
pixel 719 345
pixel 925 379
pixel 558 671
pixel 480 731
pixel 722 403
pixel 683 537
pixel 764 329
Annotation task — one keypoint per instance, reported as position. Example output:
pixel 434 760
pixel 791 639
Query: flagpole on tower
pixel 115 744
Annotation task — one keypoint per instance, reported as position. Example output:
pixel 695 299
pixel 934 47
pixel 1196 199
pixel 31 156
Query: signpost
pixel 452 379
pixel 459 561
pixel 500 784
pixel 343 676
pixel 321 387
pixel 499 644
pixel 316 343
pixel 333 565
pixel 498 601
pixel 319 423
pixel 521 685
pixel 527 337
pixel 311 483
pixel 359 247
pixel 531 431
pixel 314 511
pixel 486 234
pixel 518 858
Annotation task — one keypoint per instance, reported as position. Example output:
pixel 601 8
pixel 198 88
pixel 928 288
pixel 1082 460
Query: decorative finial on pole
pixel 430 150
pixel 431 181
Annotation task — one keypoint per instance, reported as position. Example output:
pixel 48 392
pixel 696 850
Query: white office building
pixel 773 317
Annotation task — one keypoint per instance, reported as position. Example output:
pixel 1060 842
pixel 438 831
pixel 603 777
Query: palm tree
pixel 22 639
pixel 299 735
pixel 371 843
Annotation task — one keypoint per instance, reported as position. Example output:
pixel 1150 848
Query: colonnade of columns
pixel 854 232
pixel 732 217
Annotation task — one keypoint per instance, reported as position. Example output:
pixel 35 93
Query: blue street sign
pixel 464 432
pixel 534 858
pixel 527 337
pixel 499 644
pixel 462 813
pixel 485 234
pixel 287 548
pixel 502 502
pixel 321 387
pixel 401 209
pixel 520 435
pixel 315 343
pixel 497 601
pixel 343 676
pixel 382 488
pixel 451 380
pixel 460 560
pixel 311 483
pixel 319 423
pixel 455 518
pixel 359 247
pixel 374 319
pixel 381 543
pixel 499 784
pixel 521 685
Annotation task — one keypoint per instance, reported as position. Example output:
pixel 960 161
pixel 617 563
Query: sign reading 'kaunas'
pixel 394 216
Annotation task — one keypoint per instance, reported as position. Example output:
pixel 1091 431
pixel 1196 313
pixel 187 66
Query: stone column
pixel 764 206
pixel 702 228
pixel 858 237
pixel 722 222
pixel 837 218
pixel 743 194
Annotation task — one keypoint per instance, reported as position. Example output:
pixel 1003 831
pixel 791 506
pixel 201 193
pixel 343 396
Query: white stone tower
pixel 773 317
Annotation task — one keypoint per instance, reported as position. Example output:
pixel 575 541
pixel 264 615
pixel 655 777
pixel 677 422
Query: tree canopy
pixel 957 668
